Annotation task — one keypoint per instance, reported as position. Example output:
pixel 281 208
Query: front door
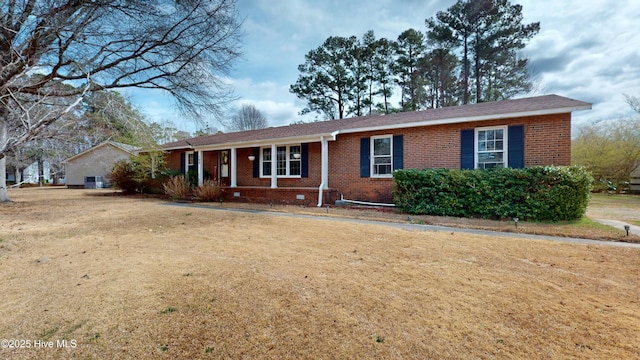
pixel 224 168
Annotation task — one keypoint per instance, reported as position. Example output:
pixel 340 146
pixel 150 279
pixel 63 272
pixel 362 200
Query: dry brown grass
pixel 133 278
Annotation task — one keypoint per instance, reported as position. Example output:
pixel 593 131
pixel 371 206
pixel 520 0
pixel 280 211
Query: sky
pixel 585 50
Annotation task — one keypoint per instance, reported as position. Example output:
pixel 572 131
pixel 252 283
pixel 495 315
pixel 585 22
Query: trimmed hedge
pixel 535 193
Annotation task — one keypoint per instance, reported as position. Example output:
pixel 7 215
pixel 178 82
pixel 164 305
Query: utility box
pixel 93 182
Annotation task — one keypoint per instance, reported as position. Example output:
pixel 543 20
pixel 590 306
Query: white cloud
pixel 587 51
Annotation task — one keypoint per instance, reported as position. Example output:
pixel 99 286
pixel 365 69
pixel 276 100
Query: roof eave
pixel 265 142
pixel 458 120
pixel 79 155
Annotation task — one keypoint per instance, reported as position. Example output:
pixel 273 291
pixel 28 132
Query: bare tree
pixel 248 118
pixel 634 102
pixel 182 47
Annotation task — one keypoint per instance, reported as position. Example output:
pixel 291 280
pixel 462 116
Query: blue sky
pixel 587 50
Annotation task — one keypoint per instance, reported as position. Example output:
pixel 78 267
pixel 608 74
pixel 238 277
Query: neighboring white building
pixel 30 173
pixel 90 168
pixel 634 184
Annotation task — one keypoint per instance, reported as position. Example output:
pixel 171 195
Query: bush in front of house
pixel 209 191
pixel 135 175
pixel 536 193
pixel 177 187
pixel 123 177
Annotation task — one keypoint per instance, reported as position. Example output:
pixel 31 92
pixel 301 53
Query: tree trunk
pixel 4 195
pixel 40 172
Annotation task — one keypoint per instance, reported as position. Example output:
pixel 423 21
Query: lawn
pixel 122 277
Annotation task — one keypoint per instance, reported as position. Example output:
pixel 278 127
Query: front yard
pixel 134 278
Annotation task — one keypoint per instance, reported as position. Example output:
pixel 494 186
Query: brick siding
pixel 547 142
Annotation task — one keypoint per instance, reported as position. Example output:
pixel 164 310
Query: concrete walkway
pixel 633 229
pixel 418 227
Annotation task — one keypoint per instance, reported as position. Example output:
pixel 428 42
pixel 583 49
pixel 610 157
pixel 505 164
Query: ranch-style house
pixel 353 159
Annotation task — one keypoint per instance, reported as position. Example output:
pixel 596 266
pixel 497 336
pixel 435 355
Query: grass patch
pixel 288 287
pixel 587 224
pixel 48 333
pixel 168 310
pixel 617 200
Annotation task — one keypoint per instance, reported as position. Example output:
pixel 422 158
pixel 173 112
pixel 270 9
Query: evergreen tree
pixel 410 49
pixel 326 79
pixel 490 33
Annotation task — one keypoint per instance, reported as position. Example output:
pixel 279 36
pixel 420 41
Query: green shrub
pixel 134 175
pixel 536 193
pixel 123 177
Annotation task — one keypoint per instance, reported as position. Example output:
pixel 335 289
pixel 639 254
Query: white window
pixel 288 161
pixel 381 156
pixel 491 147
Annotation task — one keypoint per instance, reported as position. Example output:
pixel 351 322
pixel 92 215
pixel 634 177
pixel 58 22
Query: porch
pixel 291 172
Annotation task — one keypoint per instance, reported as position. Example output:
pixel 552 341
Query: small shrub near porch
pixel 536 193
pixel 209 191
pixel 177 187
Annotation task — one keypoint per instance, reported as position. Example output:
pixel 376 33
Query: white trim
pixel 234 166
pixel 372 156
pixel 331 136
pixel 324 165
pixel 464 119
pixel 186 162
pixel 111 143
pixel 200 169
pixel 274 159
pixel 268 142
pixel 505 143
pixel 274 166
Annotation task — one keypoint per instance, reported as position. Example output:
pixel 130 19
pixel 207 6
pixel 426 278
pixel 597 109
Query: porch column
pixel 274 167
pixel 153 165
pixel 200 169
pixel 233 168
pixel 325 162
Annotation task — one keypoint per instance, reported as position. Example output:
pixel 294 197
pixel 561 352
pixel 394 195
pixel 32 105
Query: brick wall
pixel 172 160
pixel 547 142
pixel 284 196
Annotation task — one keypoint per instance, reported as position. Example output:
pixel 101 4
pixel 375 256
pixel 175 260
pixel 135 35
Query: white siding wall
pixel 96 162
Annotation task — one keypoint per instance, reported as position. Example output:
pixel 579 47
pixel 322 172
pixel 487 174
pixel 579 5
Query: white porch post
pixel 274 167
pixel 200 169
pixel 153 164
pixel 233 168
pixel 325 162
pixel 186 164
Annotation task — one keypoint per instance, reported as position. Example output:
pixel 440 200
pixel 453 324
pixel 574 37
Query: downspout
pixel 320 194
pixel 324 167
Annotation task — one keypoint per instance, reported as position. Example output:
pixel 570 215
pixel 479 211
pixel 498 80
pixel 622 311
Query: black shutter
pixel 304 160
pixel 256 162
pixel 516 146
pixel 467 149
pixel 398 152
pixel 195 161
pixel 182 163
pixel 365 167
